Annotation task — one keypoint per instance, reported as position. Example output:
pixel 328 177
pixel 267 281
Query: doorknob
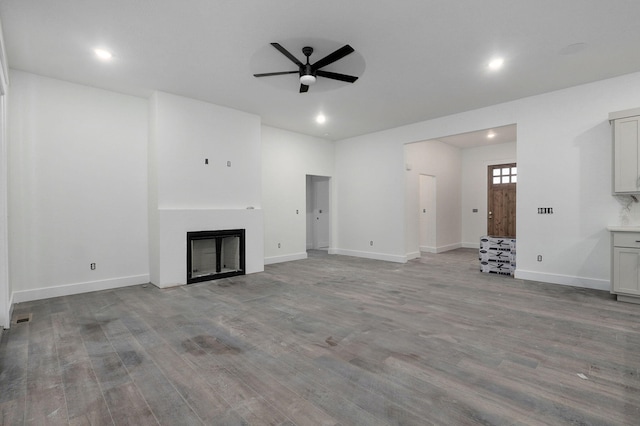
pixel 490 215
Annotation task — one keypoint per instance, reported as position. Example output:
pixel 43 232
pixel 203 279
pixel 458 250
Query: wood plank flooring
pixel 330 340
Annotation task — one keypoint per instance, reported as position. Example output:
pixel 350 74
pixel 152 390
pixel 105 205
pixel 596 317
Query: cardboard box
pixel 496 268
pixel 497 255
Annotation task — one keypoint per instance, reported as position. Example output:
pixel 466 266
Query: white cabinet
pixel 625 264
pixel 626 151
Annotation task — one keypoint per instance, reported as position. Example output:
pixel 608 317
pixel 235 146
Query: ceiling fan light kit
pixel 309 72
pixel 307 79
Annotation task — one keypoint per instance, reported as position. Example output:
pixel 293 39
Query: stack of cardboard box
pixel 497 255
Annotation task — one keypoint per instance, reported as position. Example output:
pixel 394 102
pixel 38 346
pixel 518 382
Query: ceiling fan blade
pixel 304 88
pixel 332 57
pixel 286 53
pixel 336 76
pixel 267 74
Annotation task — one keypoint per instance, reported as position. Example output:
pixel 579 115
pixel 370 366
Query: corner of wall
pixel 6 297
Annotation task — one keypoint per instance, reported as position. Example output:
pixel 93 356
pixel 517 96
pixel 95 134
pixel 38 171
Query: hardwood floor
pixel 325 341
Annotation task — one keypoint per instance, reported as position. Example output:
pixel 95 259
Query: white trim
pixel 428 249
pixel 9 315
pixel 71 289
pixel 442 249
pixel 471 245
pixel 413 255
pixel 450 247
pixel 627 299
pixel 6 305
pixel 370 255
pixel 4 66
pixel 583 282
pixel 285 258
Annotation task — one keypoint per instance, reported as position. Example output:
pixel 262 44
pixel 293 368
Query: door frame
pixel 428 245
pixel 312 240
pixel 490 167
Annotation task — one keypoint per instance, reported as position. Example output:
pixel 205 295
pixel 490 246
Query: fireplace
pixel 215 254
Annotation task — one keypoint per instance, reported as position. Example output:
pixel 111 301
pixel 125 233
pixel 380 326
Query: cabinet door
pixel 626 155
pixel 626 270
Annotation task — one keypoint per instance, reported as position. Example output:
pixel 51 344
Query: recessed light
pixel 105 55
pixel 491 135
pixel 321 119
pixel 496 63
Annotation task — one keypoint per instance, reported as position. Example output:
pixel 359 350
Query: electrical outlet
pixel 539 258
pixel 371 243
pixel 93 266
pixel 278 245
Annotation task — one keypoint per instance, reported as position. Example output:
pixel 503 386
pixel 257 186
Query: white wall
pixel 475 162
pixel 187 132
pixel 287 158
pixel 564 162
pixel 187 194
pixel 370 197
pixel 77 188
pixel 5 285
pixel 443 161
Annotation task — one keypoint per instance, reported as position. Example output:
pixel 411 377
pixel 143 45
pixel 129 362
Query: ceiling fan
pixel 308 72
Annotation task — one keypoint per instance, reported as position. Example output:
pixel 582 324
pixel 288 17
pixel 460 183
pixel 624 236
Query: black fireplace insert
pixel 215 254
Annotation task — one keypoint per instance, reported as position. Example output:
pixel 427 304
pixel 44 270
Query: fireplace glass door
pixel 215 254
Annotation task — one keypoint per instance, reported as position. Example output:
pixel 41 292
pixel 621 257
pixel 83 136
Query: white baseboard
pixel 370 255
pixel 413 255
pixel 563 280
pixel 441 249
pixel 428 249
pixel 70 289
pixel 285 258
pixel 471 245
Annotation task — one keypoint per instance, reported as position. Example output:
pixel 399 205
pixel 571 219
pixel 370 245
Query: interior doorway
pixel 318 214
pixel 427 213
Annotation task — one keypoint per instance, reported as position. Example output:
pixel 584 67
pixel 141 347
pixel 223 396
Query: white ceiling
pixel 417 59
pixel 493 136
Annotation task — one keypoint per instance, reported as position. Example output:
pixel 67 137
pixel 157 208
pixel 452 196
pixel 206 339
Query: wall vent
pixel 22 318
